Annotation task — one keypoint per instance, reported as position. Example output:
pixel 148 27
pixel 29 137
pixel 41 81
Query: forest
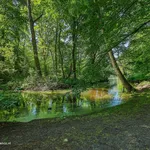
pixel 64 63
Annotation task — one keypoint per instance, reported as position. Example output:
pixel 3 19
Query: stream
pixel 37 106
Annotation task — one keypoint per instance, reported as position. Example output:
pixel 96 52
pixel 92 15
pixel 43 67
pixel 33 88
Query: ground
pixel 124 127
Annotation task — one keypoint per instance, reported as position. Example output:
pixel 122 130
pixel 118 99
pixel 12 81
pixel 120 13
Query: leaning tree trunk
pixel 123 80
pixel 34 44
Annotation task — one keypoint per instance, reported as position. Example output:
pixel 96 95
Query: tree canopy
pixel 69 40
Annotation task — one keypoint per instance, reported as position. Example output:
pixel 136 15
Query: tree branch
pixel 132 4
pixel 38 18
pixel 132 33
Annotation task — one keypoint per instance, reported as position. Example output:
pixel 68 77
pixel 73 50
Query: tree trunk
pixel 34 44
pixel 70 71
pixel 61 54
pixel 123 80
pixel 53 59
pixel 45 65
pixel 56 44
pixel 74 40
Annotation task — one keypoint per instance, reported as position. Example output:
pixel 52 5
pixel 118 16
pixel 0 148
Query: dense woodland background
pixel 65 43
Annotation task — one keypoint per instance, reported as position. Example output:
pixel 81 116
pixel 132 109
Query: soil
pixel 124 127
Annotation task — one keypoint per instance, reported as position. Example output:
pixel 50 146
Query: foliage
pixel 8 101
pixel 136 58
pixel 73 37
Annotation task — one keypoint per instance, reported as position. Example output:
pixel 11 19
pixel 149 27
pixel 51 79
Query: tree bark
pixel 74 40
pixel 56 44
pixel 70 71
pixel 123 80
pixel 45 65
pixel 61 54
pixel 34 44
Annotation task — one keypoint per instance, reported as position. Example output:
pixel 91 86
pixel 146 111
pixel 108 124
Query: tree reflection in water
pixel 34 106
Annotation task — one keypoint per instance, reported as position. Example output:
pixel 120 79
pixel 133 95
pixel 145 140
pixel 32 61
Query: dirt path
pixel 125 127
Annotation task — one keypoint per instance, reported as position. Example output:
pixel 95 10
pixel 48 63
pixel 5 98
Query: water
pixel 36 106
pixel 116 100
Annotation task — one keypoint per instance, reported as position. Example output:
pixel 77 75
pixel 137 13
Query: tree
pixel 121 25
pixel 32 22
pixel 123 80
pixel 71 39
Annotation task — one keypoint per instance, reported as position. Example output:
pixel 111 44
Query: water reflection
pixel 116 100
pixel 35 106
